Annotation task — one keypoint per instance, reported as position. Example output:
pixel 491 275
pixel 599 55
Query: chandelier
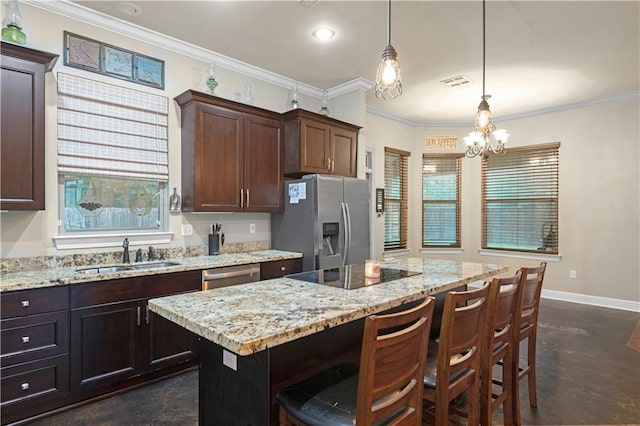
pixel 388 84
pixel 485 138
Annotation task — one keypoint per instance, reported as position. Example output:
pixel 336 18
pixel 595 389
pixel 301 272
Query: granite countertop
pixel 69 275
pixel 249 318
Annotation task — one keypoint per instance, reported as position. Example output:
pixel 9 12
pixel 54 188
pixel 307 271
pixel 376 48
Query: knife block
pixel 214 244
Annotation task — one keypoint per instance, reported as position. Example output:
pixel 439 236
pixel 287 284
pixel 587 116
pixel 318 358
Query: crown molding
pixel 101 20
pixel 350 86
pixel 534 113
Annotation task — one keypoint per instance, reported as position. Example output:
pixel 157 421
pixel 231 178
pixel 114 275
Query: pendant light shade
pixel 388 80
pixel 485 138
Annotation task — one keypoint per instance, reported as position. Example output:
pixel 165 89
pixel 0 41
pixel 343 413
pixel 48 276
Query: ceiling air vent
pixel 458 80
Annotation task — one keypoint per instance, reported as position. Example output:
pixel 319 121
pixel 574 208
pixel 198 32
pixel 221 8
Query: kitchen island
pixel 261 337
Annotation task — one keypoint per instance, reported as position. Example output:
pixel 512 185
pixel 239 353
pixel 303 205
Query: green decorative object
pixel 12 30
pixel 211 80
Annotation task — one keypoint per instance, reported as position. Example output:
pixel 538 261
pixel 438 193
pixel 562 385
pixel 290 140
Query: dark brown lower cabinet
pixel 34 352
pixel 106 345
pixel 117 342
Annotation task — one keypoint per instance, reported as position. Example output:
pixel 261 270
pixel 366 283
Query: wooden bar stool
pixel 527 312
pixel 456 368
pixel 387 389
pixel 497 349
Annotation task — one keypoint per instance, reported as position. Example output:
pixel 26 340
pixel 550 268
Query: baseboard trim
pixel 604 302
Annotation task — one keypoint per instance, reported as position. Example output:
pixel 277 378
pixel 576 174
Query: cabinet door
pixel 344 150
pixel 315 147
pixel 105 345
pixel 22 135
pixel 167 343
pixel 218 159
pixel 262 164
pixel 280 268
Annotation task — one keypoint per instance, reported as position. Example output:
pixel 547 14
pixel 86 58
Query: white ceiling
pixel 539 54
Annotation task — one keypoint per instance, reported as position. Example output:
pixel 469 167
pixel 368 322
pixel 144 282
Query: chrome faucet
pixel 125 253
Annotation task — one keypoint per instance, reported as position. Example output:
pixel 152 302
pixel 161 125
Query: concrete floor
pixel 587 375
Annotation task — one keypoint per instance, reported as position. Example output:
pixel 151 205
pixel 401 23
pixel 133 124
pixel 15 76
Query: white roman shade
pixel 108 130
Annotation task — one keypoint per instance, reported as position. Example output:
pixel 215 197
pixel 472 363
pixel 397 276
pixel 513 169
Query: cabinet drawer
pixel 35 301
pixel 279 268
pixel 166 284
pixel 36 336
pixel 100 292
pixel 31 381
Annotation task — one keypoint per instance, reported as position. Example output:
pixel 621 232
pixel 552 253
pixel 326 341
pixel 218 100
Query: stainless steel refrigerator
pixel 326 218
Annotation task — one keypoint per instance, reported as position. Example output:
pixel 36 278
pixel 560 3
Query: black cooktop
pixel 350 277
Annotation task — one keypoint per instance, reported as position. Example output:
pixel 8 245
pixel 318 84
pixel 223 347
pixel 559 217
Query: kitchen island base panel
pixel 246 396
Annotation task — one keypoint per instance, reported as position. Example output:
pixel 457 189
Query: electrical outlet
pixel 252 228
pixel 572 274
pixel 187 229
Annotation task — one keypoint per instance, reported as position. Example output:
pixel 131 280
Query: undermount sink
pixel 120 268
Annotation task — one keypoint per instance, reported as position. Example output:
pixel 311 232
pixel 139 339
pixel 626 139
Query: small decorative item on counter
pixel 324 110
pixel 12 24
pixel 248 95
pixel 211 80
pixel 175 204
pixel 371 268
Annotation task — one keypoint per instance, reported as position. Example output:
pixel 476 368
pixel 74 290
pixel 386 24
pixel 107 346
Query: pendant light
pixel 388 84
pixel 485 138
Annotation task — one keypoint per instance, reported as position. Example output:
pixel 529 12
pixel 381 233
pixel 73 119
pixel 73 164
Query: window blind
pixel 441 176
pixel 395 198
pixel 520 196
pixel 108 130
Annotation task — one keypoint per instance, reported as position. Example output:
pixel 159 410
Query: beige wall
pixel 599 163
pixel 599 225
pixel 26 234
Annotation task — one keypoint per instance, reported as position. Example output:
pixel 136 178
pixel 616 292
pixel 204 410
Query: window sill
pixel 441 251
pixel 394 253
pixel 84 241
pixel 516 255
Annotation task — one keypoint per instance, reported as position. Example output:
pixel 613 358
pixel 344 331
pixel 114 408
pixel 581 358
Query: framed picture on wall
pixel 102 58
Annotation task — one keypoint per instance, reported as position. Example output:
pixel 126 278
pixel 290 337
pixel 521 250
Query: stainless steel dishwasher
pixel 230 275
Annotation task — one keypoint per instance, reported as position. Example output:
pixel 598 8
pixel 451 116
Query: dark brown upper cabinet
pixel 314 143
pixel 231 155
pixel 22 87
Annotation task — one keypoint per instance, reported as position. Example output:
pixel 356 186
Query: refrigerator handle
pixel 347 232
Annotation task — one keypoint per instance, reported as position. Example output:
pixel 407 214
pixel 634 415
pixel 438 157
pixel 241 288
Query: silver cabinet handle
pixel 333 164
pixel 138 315
pixel 329 163
pixel 282 268
pixel 247 197
pixel 24 303
pixel 241 198
pixel 147 315
pixel 25 339
pixel 25 386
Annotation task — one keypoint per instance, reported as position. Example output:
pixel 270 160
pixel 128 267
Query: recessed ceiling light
pixel 129 8
pixel 323 33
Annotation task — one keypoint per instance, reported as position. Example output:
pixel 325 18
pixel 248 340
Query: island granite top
pixel 69 275
pixel 249 318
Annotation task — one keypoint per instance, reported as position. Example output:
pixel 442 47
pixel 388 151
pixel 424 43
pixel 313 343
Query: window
pixel 395 198
pixel 112 158
pixel 520 200
pixel 441 175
